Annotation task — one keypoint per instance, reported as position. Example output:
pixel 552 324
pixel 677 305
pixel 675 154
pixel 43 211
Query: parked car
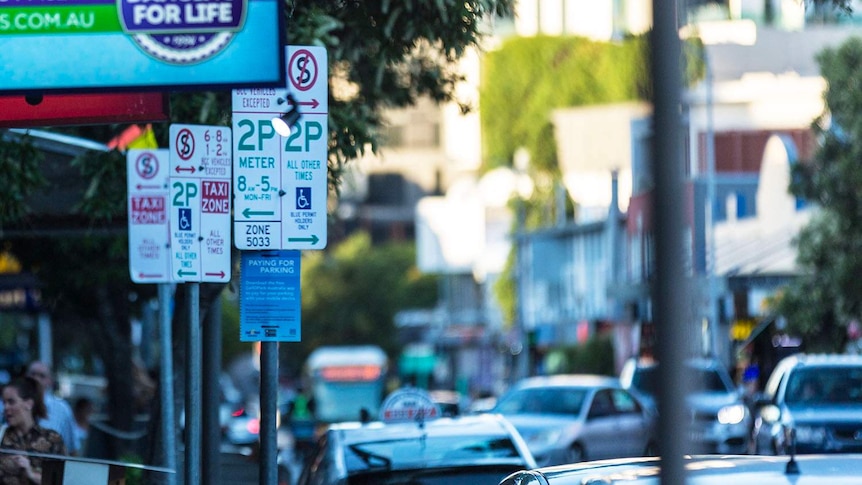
pixel 813 402
pixel 721 421
pixel 577 417
pixel 460 450
pixel 707 469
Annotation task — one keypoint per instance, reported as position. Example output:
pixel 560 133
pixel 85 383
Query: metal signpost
pixel 149 262
pixel 199 193
pixel 281 192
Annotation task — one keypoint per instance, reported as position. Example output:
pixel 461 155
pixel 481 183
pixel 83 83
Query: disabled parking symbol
pixel 185 219
pixel 303 198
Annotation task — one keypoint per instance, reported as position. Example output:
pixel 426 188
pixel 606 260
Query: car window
pixel 709 380
pixel 602 405
pixel 436 450
pixel 467 475
pixel 567 401
pixel 624 402
pixel 826 386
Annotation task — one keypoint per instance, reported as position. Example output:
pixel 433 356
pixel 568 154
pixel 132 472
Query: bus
pixel 344 380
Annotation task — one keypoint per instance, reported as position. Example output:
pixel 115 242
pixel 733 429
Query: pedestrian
pixel 82 411
pixel 60 417
pixel 301 419
pixel 24 406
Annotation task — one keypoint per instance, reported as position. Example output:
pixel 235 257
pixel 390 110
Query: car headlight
pixel 733 414
pixel 810 434
pixel 544 438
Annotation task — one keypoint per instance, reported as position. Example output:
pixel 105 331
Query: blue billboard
pixel 94 45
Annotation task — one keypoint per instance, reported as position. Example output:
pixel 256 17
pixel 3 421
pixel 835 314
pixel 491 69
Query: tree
pixel 827 295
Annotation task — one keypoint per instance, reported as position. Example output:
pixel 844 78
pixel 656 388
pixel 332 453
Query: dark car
pixel 577 417
pixel 720 419
pixel 812 402
pixel 703 470
pixel 464 450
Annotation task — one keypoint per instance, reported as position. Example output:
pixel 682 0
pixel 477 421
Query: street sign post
pixel 149 241
pixel 200 194
pixel 281 182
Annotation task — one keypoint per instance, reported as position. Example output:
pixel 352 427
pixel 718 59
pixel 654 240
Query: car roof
pixel 357 432
pixel 706 470
pixel 568 380
pixel 822 360
pixel 349 435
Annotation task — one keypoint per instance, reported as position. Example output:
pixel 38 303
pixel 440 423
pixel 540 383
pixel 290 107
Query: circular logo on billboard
pixel 182 31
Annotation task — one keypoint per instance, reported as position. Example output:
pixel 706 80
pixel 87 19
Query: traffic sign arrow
pixel 220 274
pixel 185 169
pixel 182 273
pixel 313 239
pixel 249 213
pixel 142 186
pixel 314 103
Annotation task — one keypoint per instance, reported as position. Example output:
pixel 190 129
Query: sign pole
pixel 268 399
pixel 167 378
pixel 193 388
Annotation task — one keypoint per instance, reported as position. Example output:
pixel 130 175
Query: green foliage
pixel 105 196
pixel 351 293
pixel 820 303
pixel 595 356
pixel 529 77
pixel 20 176
pixel 523 82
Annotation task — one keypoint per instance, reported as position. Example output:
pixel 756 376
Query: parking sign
pixel 200 201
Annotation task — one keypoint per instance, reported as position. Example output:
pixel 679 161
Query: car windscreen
pixel 464 475
pixel 825 386
pixel 549 400
pixel 645 380
pixel 427 450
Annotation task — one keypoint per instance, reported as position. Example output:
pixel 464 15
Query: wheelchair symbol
pixel 185 219
pixel 303 198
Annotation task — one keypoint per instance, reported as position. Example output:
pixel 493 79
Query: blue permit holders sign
pixel 270 303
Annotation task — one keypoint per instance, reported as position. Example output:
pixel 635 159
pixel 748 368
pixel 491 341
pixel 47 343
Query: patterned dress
pixel 39 440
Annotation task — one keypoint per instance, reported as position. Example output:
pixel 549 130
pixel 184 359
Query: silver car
pixel 812 404
pixel 720 419
pixel 839 469
pixel 572 418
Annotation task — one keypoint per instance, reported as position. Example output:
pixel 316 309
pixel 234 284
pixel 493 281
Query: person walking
pixel 23 407
pixel 82 411
pixel 60 417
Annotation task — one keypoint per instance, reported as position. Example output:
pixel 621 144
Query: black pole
pixel 211 428
pixel 268 398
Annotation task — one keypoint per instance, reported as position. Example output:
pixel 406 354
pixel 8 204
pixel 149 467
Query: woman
pixel 24 405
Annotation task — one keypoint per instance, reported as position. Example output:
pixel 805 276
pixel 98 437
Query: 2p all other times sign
pixel 200 201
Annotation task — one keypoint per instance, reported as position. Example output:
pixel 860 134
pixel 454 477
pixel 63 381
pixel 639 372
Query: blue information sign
pixel 270 303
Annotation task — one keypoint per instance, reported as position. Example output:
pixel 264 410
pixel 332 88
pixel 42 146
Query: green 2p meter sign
pixel 280 183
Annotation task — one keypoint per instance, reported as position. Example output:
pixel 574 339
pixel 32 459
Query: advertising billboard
pixel 89 45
